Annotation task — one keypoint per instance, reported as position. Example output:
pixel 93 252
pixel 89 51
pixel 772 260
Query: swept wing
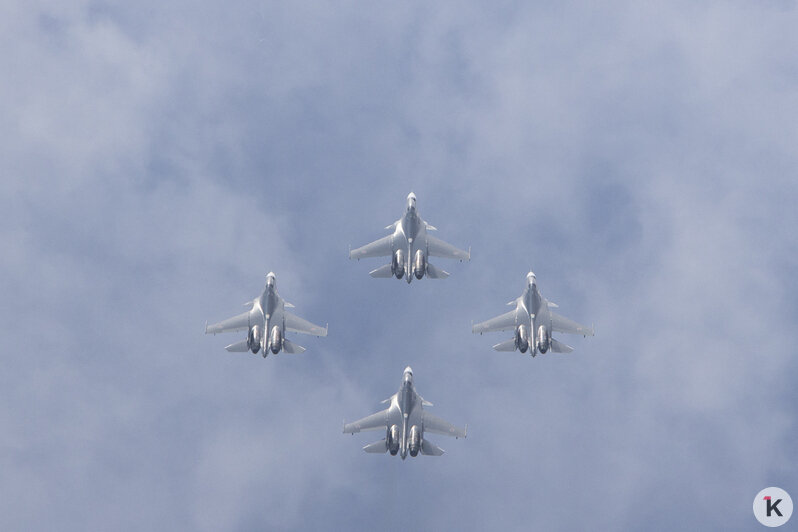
pixel 564 325
pixel 296 324
pixel 236 323
pixel 373 422
pixel 438 248
pixel 378 248
pixel 433 423
pixel 505 322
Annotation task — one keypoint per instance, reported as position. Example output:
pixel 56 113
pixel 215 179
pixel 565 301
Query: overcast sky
pixel 158 159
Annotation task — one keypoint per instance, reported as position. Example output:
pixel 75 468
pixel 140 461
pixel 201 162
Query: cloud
pixel 159 160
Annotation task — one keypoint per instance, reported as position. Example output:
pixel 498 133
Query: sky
pixel 158 159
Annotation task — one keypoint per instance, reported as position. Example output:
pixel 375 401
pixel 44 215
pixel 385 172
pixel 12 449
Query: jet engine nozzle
pixel 414 444
pixel 392 439
pixel 522 338
pixel 398 264
pixel 419 265
pixel 254 339
pixel 544 340
pixel 275 340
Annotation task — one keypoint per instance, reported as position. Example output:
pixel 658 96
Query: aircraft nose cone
pixel 409 370
pixel 411 201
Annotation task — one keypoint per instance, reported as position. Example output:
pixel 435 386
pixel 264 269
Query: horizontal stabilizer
pixel 559 347
pixel 436 273
pixel 292 348
pixel 383 272
pixel 430 449
pixel 238 347
pixel 376 447
pixel 508 345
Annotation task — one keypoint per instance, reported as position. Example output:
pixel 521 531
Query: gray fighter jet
pixel 266 323
pixel 409 246
pixel 533 324
pixel 405 423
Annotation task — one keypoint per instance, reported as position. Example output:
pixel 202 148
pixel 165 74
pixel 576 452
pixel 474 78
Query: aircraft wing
pixel 237 323
pixel 379 248
pixel 505 322
pixel 433 423
pixel 299 325
pixel 438 248
pixel 564 325
pixel 373 422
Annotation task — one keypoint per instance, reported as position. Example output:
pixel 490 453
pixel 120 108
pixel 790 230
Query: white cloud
pixel 161 159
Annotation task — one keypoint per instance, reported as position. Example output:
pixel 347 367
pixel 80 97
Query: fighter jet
pixel 533 324
pixel 266 323
pixel 409 246
pixel 405 423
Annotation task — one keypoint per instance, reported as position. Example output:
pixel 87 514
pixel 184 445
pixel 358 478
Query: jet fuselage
pixel 410 236
pixel 533 313
pixel 267 314
pixel 409 247
pixel 407 403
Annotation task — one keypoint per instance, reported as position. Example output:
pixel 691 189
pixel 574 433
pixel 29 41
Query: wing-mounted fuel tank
pixel 522 338
pixel 398 264
pixel 419 264
pixel 254 338
pixel 414 443
pixel 392 439
pixel 543 339
pixel 275 339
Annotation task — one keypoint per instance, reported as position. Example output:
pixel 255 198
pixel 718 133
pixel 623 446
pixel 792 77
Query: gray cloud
pixel 158 160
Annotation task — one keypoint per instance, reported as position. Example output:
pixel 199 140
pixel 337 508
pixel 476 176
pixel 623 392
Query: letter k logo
pixel 772 506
